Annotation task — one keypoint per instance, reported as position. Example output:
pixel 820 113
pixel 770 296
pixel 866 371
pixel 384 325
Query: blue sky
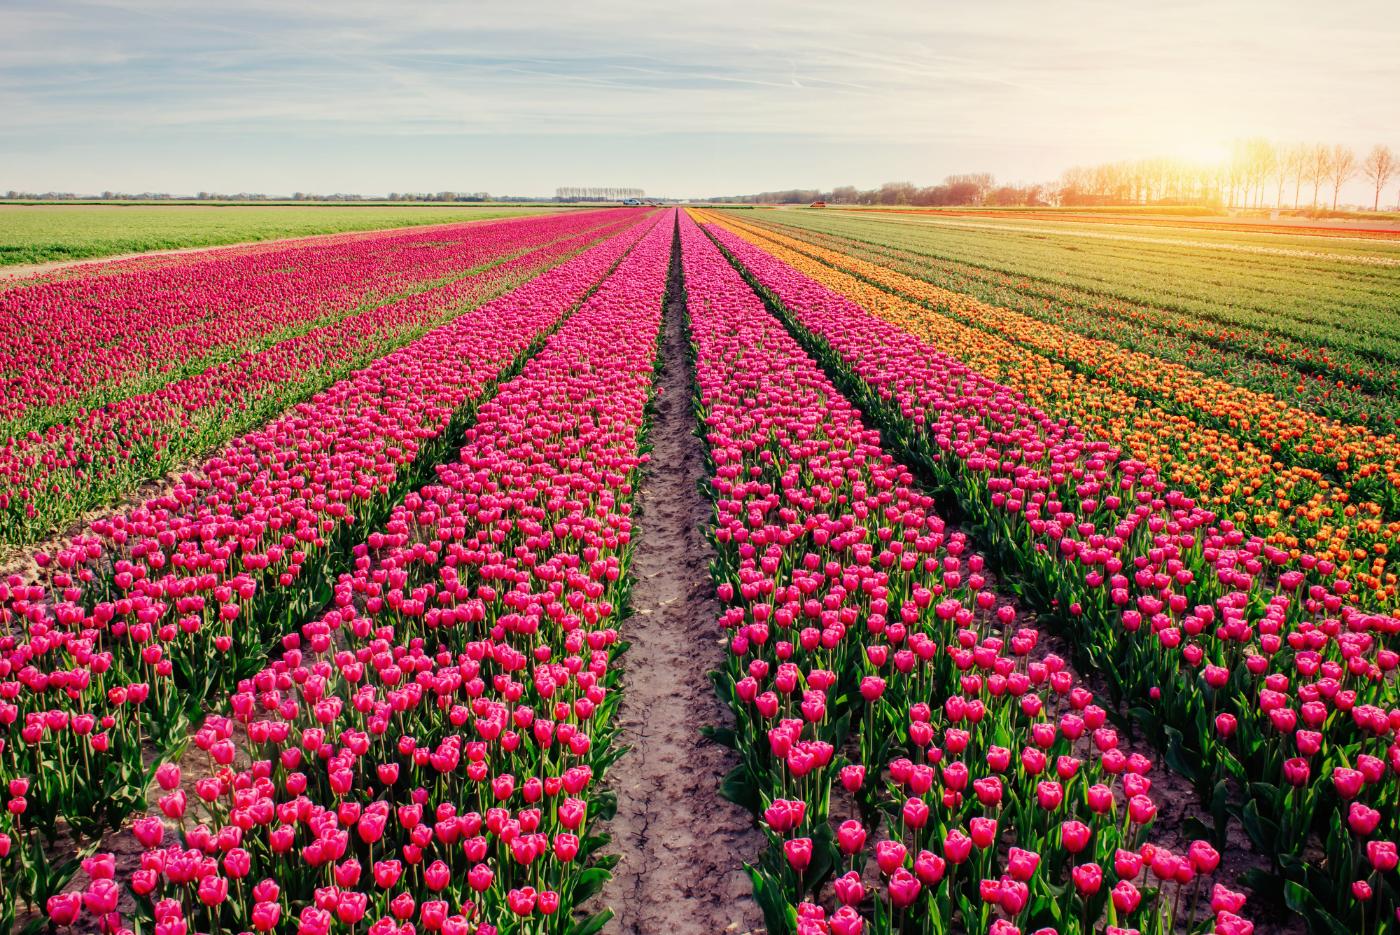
pixel 720 97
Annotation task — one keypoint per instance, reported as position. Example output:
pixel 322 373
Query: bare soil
pixel 18 559
pixel 682 846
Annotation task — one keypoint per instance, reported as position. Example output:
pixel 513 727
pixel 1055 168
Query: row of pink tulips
pixel 136 625
pixel 83 339
pixel 425 755
pixel 916 763
pixel 1253 667
pixel 48 479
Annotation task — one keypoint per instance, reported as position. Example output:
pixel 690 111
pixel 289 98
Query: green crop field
pixel 1307 319
pixel 1334 291
pixel 54 232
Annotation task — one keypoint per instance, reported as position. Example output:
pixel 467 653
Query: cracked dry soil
pixel 682 846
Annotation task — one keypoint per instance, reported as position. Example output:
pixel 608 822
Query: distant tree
pixel 1299 159
pixel 1341 166
pixel 1244 179
pixel 1242 172
pixel 1285 168
pixel 1318 164
pixel 1005 195
pixel 967 189
pixel 1263 158
pixel 1380 166
pixel 970 188
pixel 1076 184
pixel 1234 170
pixel 897 193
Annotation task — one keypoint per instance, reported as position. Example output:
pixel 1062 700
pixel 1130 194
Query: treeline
pixel 1259 173
pixel 604 193
pixel 445 197
pixel 13 195
pixel 978 188
pixel 441 196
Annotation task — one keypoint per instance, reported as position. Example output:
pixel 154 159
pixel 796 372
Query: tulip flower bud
pixel 903 888
pixel 1088 878
pixel 850 837
pixel 798 852
pixel 1126 897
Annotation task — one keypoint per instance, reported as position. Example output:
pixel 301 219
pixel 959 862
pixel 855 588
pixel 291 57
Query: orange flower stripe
pixel 1294 507
pixel 1353 451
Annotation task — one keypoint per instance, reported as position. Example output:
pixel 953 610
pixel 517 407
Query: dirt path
pixel 682 846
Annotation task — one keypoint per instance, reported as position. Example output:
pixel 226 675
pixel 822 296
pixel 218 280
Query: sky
pixel 678 99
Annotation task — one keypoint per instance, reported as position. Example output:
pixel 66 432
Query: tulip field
pixel 1045 583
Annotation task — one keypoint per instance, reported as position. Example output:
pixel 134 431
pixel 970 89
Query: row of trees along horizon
pixel 1258 174
pixel 444 197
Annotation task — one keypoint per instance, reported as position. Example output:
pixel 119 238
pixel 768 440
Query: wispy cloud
pixel 909 88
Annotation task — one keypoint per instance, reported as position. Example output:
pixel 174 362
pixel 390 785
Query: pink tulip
pixel 1126 897
pixel 904 888
pixel 1088 878
pixel 850 837
pixel 798 852
pixel 64 908
pixel 1382 855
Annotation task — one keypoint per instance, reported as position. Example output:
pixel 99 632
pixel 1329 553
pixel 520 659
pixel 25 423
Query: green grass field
pixel 46 233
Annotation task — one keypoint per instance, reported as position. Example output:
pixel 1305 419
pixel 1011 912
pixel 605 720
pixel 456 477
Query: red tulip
pixel 1022 864
pixel 798 852
pixel 904 888
pixel 957 847
pixel 266 916
pixel 929 868
pixel 1088 878
pixel 63 908
pixel 984 832
pixel 846 921
pixel 850 837
pixel 480 877
pixel 1203 857
pixel 1382 855
pixel 1074 835
pixel 522 901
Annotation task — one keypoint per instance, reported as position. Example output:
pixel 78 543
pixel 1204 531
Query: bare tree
pixel 1380 166
pixel 1262 157
pixel 1341 166
pixel 1319 162
pixel 896 193
pixel 1288 166
pixel 1237 169
pixel 1283 170
pixel 1300 157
